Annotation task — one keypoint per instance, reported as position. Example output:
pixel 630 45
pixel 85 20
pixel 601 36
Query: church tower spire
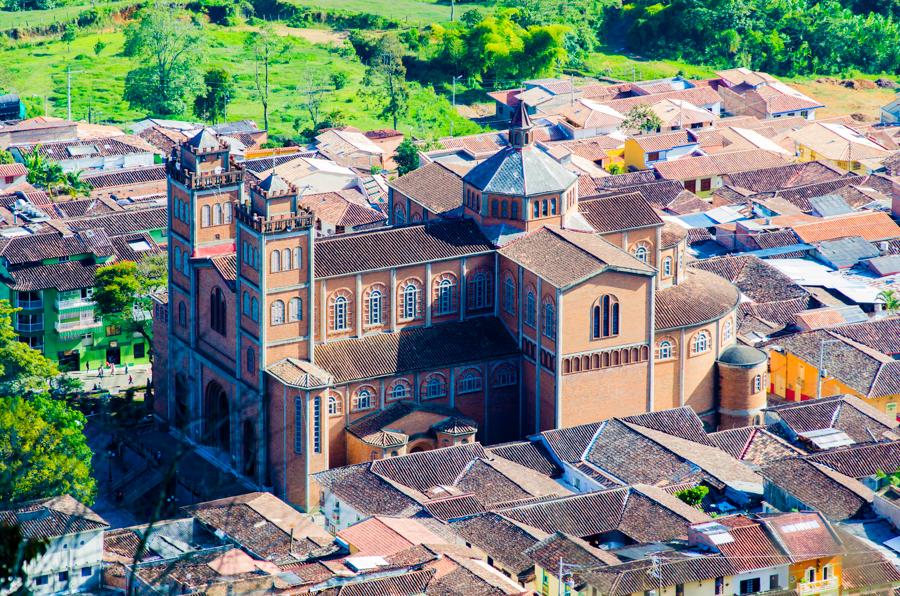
pixel 520 128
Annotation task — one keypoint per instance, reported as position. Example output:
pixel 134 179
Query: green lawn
pixel 410 11
pixel 627 67
pixel 42 18
pixel 39 69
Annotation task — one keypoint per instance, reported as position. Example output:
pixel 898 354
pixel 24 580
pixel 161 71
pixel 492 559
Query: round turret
pixel 742 386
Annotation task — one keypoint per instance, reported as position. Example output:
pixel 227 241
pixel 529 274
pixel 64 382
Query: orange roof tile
pixel 871 225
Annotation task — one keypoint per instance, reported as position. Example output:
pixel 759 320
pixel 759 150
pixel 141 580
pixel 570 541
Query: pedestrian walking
pixel 130 380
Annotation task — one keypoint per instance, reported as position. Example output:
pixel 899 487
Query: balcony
pixel 29 327
pixel 199 181
pixel 30 304
pixel 76 325
pixel 274 224
pixel 817 587
pixel 73 303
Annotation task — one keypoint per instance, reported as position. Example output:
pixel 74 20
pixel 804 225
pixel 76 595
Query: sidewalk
pixel 114 382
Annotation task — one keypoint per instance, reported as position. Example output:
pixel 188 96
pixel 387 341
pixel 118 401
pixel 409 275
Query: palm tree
pixel 71 184
pixel 891 300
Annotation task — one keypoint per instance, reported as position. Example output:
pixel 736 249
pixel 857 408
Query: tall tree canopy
pixel 218 89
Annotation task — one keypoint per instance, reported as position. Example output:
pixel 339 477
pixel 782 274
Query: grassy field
pixel 38 69
pixel 629 68
pixel 409 11
pixel 43 18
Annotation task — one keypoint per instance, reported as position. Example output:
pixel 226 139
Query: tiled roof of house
pixel 71 275
pixel 562 547
pixel 681 422
pixel 447 344
pixel 859 461
pixel 717 164
pixel 500 538
pixel 699 96
pixel 407 584
pixel 266 525
pixel 701 297
pixel 864 568
pixel 804 535
pixel 661 194
pixel 433 186
pixel 637 577
pixel 454 507
pixel 753 444
pixel 384 536
pixel 672 234
pixel 618 212
pixel 799 196
pixel 108 178
pixel 871 225
pixel 51 518
pixel 83 207
pixel 860 421
pixel 750 547
pixel 108 146
pixel 565 257
pixel 347 208
pixel 568 444
pixel 13 170
pixel 530 454
pixel 643 513
pixel 226 265
pixel 755 278
pixel 392 247
pixel 665 141
pixel 125 222
pixel 427 469
pixel 526 171
pixel 366 492
pixel 879 334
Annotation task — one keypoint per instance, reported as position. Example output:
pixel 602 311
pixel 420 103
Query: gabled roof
pixel 750 546
pixel 859 461
pixel 803 535
pixel 870 225
pixel 523 172
pixel 860 421
pixel 52 517
pixel 501 538
pixel 717 164
pixel 618 212
pixel 881 334
pixel 565 257
pixel 754 445
pixel 574 551
pixel 433 186
pixel 672 569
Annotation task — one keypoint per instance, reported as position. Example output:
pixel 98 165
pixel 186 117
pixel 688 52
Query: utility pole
pixel 820 372
pixel 68 93
pixel 456 78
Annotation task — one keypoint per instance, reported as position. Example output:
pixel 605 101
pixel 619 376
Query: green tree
pixel 339 79
pixel 693 496
pixel 167 47
pixel 70 32
pixel 22 369
pixel 122 291
pixel 385 79
pixel 43 450
pixel 407 157
pixel 212 103
pixel 891 300
pixel 6 157
pixel 99 47
pixel 641 118
pixel 265 46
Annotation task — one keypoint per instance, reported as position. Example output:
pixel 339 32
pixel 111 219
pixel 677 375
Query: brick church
pixel 285 354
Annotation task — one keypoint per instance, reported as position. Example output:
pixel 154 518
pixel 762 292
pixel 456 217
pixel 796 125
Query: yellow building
pixel 815 551
pixel 839 145
pixel 848 367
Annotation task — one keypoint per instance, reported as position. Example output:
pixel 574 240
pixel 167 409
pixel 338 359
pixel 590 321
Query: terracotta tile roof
pixel 560 546
pixel 83 207
pixel 860 421
pixel 641 576
pixel 701 297
pixel 681 422
pixel 12 169
pixel 871 225
pixel 781 177
pixel 71 275
pixel 753 444
pixel 500 538
pixel 774 239
pixel 123 177
pixel 393 247
pixel 698 235
pixel 125 222
pixel 804 535
pixel 347 208
pixel 530 454
pixel 366 492
pixel 564 257
pixel 799 196
pixel 455 507
pixel 20 250
pixel 755 278
pixel 699 96
pixel 408 584
pixel 859 461
pixel 782 312
pixel 687 168
pixel 640 512
pixel 419 348
pixel 838 142
pixel 108 146
pixel 618 212
pixel 672 234
pixel 626 180
pixel 751 547
pixel 659 193
pixel 51 518
pixel 384 536
pixel 665 141
pixel 879 334
pixel 865 569
pixel 427 469
pixel 569 444
pixel 433 186
pixel 226 265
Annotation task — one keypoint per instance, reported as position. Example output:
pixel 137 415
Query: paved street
pixel 114 380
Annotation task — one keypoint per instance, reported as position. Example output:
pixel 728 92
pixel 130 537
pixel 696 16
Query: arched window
pixel 667 266
pixel 286 259
pixel 254 309
pixel 727 330
pixel 363 400
pixel 217 311
pixel 605 317
pixel 277 314
pixel 295 310
pixel 700 343
pixel 504 376
pixel 549 319
pixel 665 349
pixel 217 214
pixel 227 213
pixel 478 291
pixel 642 252
pixel 509 294
pixel 182 314
pixel 470 382
pixel 275 261
pixel 375 298
pixel 400 390
pixel 530 308
pixel 494 208
pixel 334 406
pixel 514 210
pixel 204 216
pixel 410 301
pixel 186 264
pixel 445 297
pixel 298 258
pixel 246 304
pixel 177 258
pixel 251 360
pixel 757 383
pixel 339 314
pixel 435 387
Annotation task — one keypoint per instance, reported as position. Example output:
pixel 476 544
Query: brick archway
pixel 216 424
